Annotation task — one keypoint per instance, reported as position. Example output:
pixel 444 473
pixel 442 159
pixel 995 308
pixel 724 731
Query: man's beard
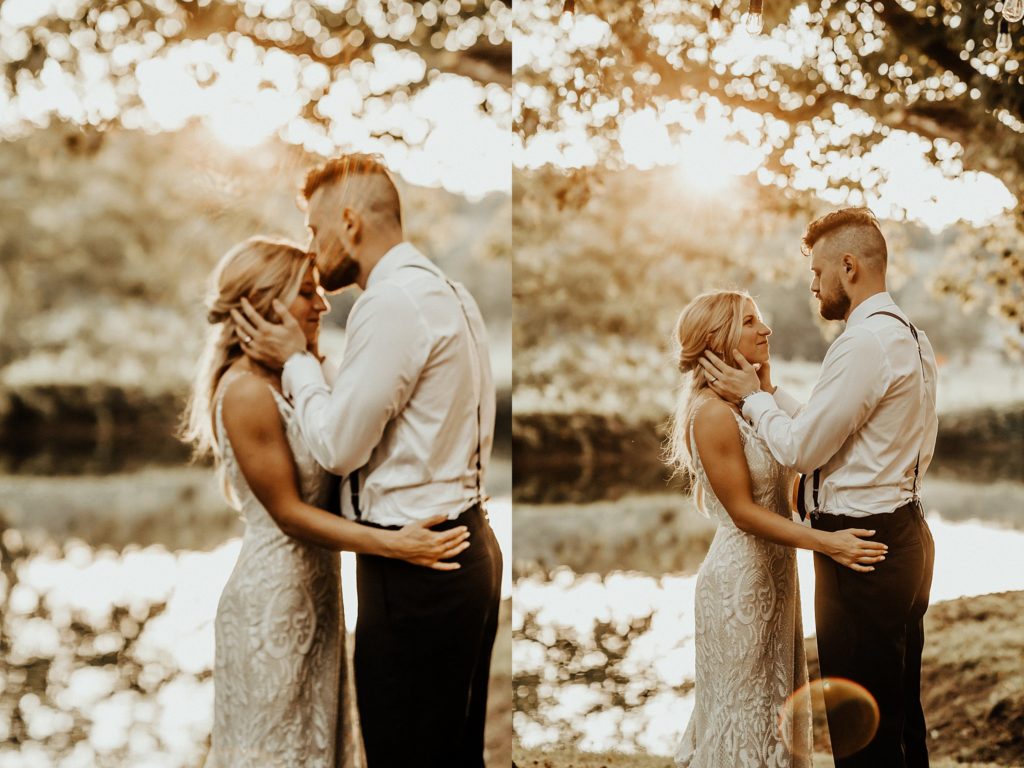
pixel 342 275
pixel 835 305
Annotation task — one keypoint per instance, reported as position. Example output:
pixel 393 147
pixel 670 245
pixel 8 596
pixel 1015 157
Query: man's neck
pixel 372 254
pixel 864 296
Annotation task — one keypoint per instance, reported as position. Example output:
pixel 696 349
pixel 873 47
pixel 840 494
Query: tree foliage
pixel 105 249
pixel 462 37
pixel 816 95
pixel 921 67
pixel 116 202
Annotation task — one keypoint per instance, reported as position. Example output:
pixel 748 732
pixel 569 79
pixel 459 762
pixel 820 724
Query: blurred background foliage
pixel 625 263
pixel 106 251
pixel 659 152
pixel 141 139
pixel 604 283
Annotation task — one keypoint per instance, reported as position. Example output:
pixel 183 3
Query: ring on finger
pixel 248 339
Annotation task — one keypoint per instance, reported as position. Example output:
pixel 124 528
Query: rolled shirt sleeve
pixel 787 402
pixel 387 347
pixel 854 377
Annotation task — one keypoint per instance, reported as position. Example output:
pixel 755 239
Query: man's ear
pixel 353 224
pixel 849 265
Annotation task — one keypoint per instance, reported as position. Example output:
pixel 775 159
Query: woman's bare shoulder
pixel 248 403
pixel 715 424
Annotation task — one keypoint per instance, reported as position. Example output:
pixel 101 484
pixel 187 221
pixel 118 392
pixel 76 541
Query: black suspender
pixel 353 487
pixel 816 475
pixel 480 395
pixel 354 477
pixel 920 355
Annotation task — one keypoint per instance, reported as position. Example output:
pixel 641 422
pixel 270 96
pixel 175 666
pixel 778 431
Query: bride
pixel 749 638
pixel 280 673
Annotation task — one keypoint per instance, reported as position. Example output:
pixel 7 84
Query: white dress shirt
pixel 868 418
pixel 403 407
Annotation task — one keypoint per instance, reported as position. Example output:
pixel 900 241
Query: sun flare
pixel 709 162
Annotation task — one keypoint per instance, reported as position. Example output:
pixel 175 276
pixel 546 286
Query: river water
pixel 108 590
pixel 603 651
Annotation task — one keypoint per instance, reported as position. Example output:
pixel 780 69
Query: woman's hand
pixel 847 547
pixel 419 545
pixel 269 344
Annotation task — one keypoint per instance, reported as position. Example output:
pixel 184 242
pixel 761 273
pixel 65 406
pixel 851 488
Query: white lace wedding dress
pixel 749 635
pixel 281 693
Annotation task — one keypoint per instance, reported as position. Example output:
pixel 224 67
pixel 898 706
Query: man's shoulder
pixel 891 325
pixel 386 298
pixel 862 338
pixel 408 280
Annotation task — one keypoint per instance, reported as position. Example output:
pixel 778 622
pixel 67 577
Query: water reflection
pixel 104 654
pixel 606 660
pixel 108 591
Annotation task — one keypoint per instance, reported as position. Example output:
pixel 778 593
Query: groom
pixel 863 442
pixel 409 423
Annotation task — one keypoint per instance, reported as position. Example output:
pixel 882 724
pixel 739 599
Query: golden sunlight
pixel 710 162
pixel 707 160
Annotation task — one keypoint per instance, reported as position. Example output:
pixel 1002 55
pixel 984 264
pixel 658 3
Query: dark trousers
pixel 871 630
pixel 423 654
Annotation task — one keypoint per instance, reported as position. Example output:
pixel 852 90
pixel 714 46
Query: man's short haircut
pixel 374 187
pixel 863 231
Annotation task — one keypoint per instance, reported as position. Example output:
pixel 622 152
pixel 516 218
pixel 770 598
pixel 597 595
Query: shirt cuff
pixel 300 370
pixel 786 401
pixel 756 405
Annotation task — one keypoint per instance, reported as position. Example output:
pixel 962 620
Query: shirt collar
pixel 871 304
pixel 399 255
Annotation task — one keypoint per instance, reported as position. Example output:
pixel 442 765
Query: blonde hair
pixel 712 321
pixel 259 269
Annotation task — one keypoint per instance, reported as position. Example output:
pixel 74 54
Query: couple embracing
pixel 384 456
pixel 861 443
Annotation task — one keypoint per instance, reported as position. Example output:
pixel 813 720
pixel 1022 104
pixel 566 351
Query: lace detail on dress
pixel 749 634
pixel 280 670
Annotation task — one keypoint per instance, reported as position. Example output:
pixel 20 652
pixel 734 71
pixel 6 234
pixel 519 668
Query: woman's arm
pixel 721 453
pixel 253 425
